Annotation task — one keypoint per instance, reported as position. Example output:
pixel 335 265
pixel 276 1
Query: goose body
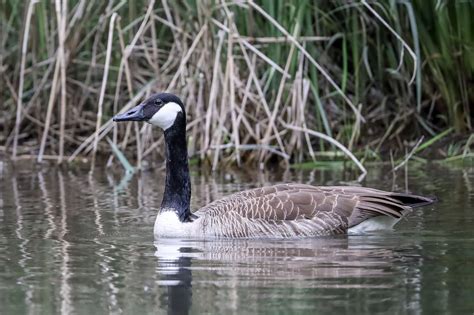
pixel 278 211
pixel 292 210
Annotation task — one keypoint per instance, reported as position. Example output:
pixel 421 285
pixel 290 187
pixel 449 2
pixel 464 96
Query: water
pixel 73 243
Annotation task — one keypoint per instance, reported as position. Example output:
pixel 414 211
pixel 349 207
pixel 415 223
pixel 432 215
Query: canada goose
pixel 284 210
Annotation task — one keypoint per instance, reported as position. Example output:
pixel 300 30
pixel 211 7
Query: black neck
pixel 178 185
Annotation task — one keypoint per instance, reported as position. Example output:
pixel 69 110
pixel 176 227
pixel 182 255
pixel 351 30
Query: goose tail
pixel 383 211
pixel 414 201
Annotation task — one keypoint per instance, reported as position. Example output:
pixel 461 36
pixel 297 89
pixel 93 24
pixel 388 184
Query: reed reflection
pixel 70 240
pixel 25 255
pixel 48 206
pixel 65 289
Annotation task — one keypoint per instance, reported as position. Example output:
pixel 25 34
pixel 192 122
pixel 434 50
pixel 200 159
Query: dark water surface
pixel 73 243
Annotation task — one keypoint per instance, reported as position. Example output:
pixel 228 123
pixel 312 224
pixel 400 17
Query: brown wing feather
pixel 303 209
pixel 285 202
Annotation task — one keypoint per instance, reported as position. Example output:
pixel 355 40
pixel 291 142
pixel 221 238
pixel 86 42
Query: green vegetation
pixel 256 77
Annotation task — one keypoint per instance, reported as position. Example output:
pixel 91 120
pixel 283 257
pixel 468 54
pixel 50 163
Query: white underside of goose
pixel 380 223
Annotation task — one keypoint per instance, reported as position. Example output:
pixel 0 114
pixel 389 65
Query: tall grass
pixel 285 79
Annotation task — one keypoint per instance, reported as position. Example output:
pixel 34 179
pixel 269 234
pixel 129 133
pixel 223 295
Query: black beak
pixel 134 114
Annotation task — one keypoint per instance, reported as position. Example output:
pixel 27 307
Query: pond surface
pixel 74 243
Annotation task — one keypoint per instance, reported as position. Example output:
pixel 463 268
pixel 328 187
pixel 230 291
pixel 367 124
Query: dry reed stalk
pixel 124 62
pixel 78 11
pixel 11 88
pixel 24 49
pixel 128 77
pixel 252 48
pixel 118 86
pixel 409 155
pixel 61 14
pixel 306 87
pixel 144 23
pixel 355 133
pixel 154 50
pixel 276 105
pixel 146 54
pixel 186 57
pixel 212 93
pixel 49 111
pixel 196 141
pixel 282 39
pixel 230 59
pixel 170 21
pixel 103 87
pixel 245 99
pixel 219 132
pixel 173 27
pixel 467 146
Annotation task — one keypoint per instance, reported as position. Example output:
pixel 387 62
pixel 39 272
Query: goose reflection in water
pixel 234 264
pixel 175 268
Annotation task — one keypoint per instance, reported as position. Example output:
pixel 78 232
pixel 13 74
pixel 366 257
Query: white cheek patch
pixel 165 117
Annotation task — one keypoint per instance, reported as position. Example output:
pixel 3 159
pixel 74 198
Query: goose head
pixel 161 110
pixel 166 110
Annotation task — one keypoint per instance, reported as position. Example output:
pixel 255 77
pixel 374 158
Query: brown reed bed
pixel 290 81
